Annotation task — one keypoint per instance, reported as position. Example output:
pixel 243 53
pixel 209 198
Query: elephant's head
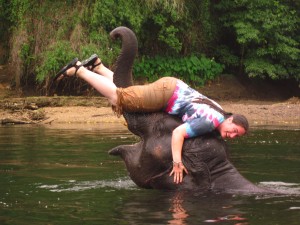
pixel 149 162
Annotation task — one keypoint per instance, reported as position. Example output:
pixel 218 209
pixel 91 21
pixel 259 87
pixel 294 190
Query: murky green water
pixel 51 176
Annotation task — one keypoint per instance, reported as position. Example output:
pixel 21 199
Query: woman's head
pixel 234 126
pixel 241 120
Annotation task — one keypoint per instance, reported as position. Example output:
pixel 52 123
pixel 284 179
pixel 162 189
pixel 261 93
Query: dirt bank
pixel 278 114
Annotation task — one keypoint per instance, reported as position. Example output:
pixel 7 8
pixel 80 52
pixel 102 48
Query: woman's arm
pixel 178 136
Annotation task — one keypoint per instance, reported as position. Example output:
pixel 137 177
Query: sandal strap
pixel 77 68
pixel 95 65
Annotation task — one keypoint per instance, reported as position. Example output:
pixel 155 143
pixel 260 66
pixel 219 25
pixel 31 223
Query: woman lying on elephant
pixel 199 114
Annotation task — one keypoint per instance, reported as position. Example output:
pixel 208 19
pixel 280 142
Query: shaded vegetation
pixel 193 40
pixel 267 34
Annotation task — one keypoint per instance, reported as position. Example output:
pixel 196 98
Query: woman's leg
pixel 104 71
pixel 102 84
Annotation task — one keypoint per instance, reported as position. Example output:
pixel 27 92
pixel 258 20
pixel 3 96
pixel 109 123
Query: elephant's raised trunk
pixel 123 75
pixel 123 70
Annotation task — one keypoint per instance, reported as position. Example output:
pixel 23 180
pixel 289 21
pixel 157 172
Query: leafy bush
pixel 110 14
pixel 267 36
pixel 192 69
pixel 227 56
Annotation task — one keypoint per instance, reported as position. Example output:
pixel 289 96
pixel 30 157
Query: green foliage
pixel 259 37
pixel 167 33
pixel 53 59
pixel 193 69
pixel 25 54
pixel 163 18
pixel 226 56
pixel 100 17
pixel 18 9
pixel 267 34
pixel 5 25
pixel 62 52
pixel 109 14
pixel 4 15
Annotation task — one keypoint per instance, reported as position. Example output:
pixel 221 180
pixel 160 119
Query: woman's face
pixel 228 129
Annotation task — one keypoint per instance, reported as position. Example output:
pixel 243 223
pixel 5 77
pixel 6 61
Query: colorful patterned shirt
pixel 199 118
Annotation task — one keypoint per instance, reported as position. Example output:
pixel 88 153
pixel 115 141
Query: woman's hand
pixel 177 170
pixel 178 136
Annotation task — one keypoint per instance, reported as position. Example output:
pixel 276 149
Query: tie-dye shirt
pixel 199 118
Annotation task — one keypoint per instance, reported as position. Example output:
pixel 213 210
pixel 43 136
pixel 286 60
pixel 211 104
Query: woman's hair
pixel 240 120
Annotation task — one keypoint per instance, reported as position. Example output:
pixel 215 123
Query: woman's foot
pixel 69 70
pixel 92 63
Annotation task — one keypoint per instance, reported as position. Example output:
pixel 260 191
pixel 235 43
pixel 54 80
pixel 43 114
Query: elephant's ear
pixel 121 150
pixel 124 64
pixel 131 154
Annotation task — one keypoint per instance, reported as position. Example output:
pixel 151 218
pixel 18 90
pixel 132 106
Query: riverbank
pixel 260 114
pixel 265 104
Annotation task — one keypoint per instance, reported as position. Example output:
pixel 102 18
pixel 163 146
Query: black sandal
pixel 68 66
pixel 90 62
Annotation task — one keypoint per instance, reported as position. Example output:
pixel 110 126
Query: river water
pixel 65 176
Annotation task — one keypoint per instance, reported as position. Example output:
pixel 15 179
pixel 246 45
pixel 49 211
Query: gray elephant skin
pixel 149 161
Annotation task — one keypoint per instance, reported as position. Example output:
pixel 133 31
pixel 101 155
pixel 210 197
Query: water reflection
pixel 182 208
pixel 179 214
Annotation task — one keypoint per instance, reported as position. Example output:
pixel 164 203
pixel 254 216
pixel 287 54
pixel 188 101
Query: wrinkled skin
pixel 149 161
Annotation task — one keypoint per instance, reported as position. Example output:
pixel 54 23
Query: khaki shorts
pixel 145 98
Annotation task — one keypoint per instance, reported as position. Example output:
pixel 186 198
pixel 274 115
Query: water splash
pixel 75 186
pixel 282 187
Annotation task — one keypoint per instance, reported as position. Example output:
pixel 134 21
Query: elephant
pixel 149 161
